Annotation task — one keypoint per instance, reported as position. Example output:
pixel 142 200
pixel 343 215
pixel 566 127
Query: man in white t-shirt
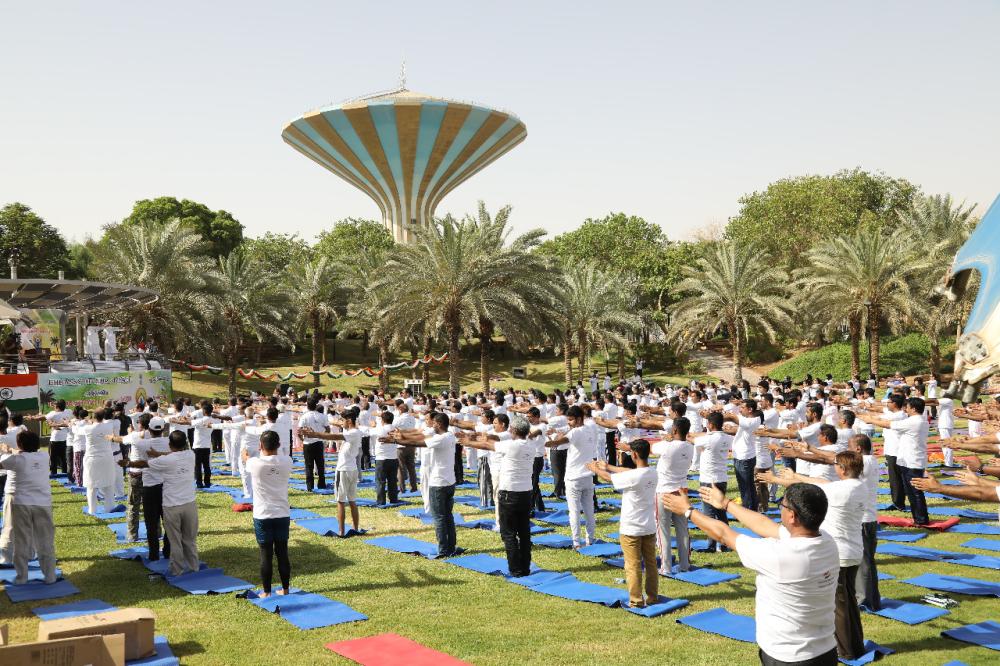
pixel 673 461
pixel 911 458
pixel 347 465
pixel 440 478
pixel 537 437
pixel 386 459
pixel 894 411
pixel 713 449
pixel 846 500
pixel 28 507
pixel 270 472
pixel 180 510
pixel 313 419
pixel 797 568
pixel 945 425
pixel 579 479
pixel 637 527
pixel 58 420
pixel 152 430
pixel 513 481
pixel 748 421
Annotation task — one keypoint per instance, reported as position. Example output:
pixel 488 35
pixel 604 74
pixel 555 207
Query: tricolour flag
pixel 20 392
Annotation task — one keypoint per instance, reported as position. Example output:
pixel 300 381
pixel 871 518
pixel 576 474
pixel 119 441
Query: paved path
pixel 721 366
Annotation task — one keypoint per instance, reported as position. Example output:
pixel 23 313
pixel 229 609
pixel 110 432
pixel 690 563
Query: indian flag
pixel 20 392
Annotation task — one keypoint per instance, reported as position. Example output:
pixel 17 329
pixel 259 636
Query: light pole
pixel 868 321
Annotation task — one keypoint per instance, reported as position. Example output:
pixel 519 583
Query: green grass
pixel 909 354
pixel 474 617
pixel 545 372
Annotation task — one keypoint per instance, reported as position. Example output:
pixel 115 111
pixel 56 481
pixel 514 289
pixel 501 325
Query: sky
pixel 667 110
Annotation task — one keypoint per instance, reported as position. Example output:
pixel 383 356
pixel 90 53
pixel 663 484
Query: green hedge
pixel 909 354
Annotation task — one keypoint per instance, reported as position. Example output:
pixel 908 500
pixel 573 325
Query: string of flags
pixel 367 371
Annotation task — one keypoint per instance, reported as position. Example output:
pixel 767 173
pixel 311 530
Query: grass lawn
pixel 478 618
pixel 544 372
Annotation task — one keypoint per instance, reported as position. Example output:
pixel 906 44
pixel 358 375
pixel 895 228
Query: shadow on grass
pixel 405 579
pixel 186 649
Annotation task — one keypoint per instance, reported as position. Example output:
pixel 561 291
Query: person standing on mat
pixel 406 456
pixel 911 432
pixel 441 478
pixel 151 484
pixel 579 479
pixel 558 455
pixel 673 462
pixel 537 437
pixel 28 507
pixel 797 567
pixel 894 411
pixel 180 509
pixel 514 491
pixel 386 459
pixel 347 465
pixel 270 472
pixel 58 420
pixel 714 447
pixel 312 447
pixel 637 527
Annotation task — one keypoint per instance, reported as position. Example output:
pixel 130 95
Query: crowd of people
pixel 814 568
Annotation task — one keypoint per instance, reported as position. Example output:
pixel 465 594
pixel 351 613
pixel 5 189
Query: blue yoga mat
pixel 468 500
pixel 662 606
pixel 983 544
pixel 299 514
pixel 956 584
pixel 703 576
pixel 482 563
pixel 601 550
pixel 538 529
pixel 560 518
pixel 306 610
pixel 967 559
pixel 570 588
pixel 541 577
pixel 910 613
pixel 986 634
pixel 327 527
pixel 975 528
pixel 164 656
pixel 747 532
pixel 885 576
pixel 553 541
pixel 723 623
pixel 609 502
pixel 121 532
pixel 873 651
pixel 7 575
pixel 38 591
pixel 116 514
pixel 404 544
pixel 414 493
pixel 132 553
pixel 964 513
pixel 162 566
pixel 480 524
pixel 902 537
pixel 72 609
pixel 208 581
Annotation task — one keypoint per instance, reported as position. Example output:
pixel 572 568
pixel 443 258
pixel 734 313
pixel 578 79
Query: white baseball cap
pixel 156 423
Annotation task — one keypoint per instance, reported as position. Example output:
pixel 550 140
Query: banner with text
pixel 92 389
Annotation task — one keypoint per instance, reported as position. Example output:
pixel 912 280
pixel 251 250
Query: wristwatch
pixel 687 514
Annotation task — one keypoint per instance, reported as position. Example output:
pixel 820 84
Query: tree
pixel 246 302
pixel 352 235
pixel 81 257
pixel 277 253
pixel 942 227
pixel 219 229
pixel 455 272
pixel 313 288
pixel 735 288
pixel 171 260
pixel 793 214
pixel 40 248
pixel 863 278
pixel 594 309
pixel 365 311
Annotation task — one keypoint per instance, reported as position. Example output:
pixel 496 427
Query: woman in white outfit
pixel 99 467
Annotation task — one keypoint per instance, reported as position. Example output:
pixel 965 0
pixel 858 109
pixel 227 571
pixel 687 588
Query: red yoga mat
pixel 392 650
pixel 897 521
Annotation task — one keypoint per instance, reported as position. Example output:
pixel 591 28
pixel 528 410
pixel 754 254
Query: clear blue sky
pixel 670 111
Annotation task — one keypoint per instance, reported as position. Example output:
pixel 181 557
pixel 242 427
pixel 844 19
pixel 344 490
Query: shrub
pixel 909 354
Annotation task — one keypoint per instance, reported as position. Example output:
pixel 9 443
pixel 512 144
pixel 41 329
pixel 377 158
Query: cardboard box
pixel 136 623
pixel 79 651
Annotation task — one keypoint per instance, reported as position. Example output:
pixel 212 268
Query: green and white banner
pixel 93 389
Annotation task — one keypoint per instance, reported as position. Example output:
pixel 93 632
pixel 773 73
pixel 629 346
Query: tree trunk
pixel 935 354
pixel 854 330
pixel 876 341
pixel 425 369
pixel 322 346
pixel 364 346
pixel 568 356
pixel 232 379
pixel 485 340
pixel 383 358
pixel 258 352
pixel 317 349
pixel 621 361
pixel 413 360
pixel 454 356
pixel 582 353
pixel 734 340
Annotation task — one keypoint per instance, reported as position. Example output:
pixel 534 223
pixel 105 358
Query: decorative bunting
pixel 367 371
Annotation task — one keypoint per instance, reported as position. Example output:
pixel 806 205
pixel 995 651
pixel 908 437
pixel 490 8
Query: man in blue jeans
pixel 440 478
pixel 745 449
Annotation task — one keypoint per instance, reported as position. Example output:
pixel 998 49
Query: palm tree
pixel 365 310
pixel 313 288
pixel 943 228
pixel 864 279
pixel 247 302
pixel 456 275
pixel 593 310
pixel 734 288
pixel 171 260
